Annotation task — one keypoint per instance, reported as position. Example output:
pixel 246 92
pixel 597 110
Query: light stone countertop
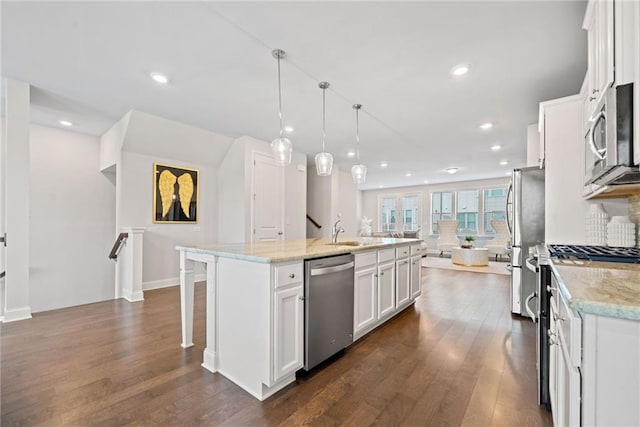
pixel 290 250
pixel 600 288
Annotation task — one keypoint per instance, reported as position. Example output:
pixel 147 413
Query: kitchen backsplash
pixel 634 215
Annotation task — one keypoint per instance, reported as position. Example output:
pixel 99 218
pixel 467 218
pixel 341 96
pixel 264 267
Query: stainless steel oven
pixel 608 143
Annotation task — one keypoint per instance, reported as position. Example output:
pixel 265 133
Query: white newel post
pixel 129 266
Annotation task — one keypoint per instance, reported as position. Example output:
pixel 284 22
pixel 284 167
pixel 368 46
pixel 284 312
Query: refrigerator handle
pixel 506 207
pixel 528 309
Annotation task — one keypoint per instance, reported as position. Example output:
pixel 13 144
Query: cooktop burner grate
pixel 595 253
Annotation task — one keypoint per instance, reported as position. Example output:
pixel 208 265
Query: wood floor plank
pixel 457 357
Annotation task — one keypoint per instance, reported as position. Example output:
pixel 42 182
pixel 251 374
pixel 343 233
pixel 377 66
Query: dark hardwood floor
pixel 455 358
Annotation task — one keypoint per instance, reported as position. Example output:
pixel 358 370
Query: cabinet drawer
pixel 402 252
pixel 416 249
pixel 386 255
pixel 289 273
pixel 571 325
pixel 365 259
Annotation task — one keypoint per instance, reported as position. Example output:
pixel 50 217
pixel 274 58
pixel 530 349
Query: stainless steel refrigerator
pixel 525 218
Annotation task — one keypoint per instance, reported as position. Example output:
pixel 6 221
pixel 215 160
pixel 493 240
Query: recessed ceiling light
pixel 426 181
pixel 504 162
pixel 380 186
pixel 495 147
pixel 451 170
pixel 508 173
pixel 65 123
pixel 486 126
pixel 384 164
pixel 289 129
pixel 159 78
pixel 351 153
pixel 407 174
pixel 460 70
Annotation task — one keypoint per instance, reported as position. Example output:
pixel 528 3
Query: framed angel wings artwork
pixel 175 194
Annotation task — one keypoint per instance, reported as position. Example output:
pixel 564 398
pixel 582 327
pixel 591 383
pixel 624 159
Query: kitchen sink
pixel 350 243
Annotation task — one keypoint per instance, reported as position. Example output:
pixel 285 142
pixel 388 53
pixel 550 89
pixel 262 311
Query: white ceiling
pixel 90 63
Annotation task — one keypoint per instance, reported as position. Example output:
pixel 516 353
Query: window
pixel 399 212
pixel 494 205
pixel 388 214
pixel 468 208
pixel 410 205
pixel 441 208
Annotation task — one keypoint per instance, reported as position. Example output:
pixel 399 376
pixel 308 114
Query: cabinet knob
pixel 594 91
pixel 592 98
pixel 279 233
pixel 292 275
pixel 382 273
pixel 301 298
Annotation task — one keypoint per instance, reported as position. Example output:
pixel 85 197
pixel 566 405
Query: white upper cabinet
pixel 599 23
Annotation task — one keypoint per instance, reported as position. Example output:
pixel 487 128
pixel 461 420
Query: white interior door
pixel 267 202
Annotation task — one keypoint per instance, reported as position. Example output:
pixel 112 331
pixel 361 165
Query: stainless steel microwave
pixel 609 140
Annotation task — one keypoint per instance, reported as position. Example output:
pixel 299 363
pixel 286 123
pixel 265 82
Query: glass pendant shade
pixel 281 148
pixel 359 174
pixel 324 164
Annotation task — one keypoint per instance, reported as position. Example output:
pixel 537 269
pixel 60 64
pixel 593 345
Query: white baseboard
pixel 132 296
pixel 15 314
pixel 172 281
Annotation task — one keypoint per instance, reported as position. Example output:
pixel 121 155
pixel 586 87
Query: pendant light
pixel 324 160
pixel 358 171
pixel 281 146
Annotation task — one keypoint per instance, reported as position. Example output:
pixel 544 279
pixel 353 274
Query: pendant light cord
pixel 357 136
pixel 280 99
pixel 324 134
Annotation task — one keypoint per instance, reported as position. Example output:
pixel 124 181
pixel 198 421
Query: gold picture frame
pixel 175 194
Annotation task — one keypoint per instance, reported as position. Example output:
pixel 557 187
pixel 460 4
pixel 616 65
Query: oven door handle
pixel 526 306
pixel 601 154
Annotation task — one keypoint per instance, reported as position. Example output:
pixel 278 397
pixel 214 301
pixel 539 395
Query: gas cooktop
pixel 595 253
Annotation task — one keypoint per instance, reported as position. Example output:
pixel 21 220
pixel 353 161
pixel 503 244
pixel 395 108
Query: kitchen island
pixel 255 301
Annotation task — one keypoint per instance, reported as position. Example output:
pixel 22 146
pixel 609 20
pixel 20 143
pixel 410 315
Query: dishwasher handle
pixel 332 269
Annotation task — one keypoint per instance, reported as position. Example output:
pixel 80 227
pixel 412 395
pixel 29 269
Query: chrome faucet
pixel 336 230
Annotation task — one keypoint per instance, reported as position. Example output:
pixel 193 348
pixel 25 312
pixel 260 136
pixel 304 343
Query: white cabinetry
pixel 561 133
pixel 288 330
pixel 386 289
pixel 386 281
pixel 365 310
pixel 599 23
pixel 594 373
pixel 403 289
pixel 287 319
pixel 565 358
pixel 416 277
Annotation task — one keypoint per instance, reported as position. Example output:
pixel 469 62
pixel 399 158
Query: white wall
pixel 72 221
pixel 160 258
pixel 112 141
pixel 235 177
pixel 15 155
pixel 232 206
pixel 318 203
pixel 330 196
pixel 347 194
pixel 295 198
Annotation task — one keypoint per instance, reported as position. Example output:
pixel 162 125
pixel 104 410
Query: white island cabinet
pixel 255 304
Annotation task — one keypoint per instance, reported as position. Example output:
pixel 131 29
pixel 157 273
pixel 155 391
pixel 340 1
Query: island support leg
pixel 186 299
pixel 211 350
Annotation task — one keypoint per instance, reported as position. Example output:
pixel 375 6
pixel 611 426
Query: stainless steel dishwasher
pixel 328 309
